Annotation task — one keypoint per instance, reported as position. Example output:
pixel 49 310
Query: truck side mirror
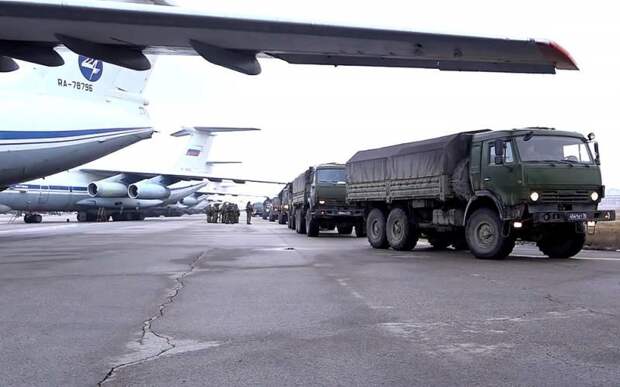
pixel 597 156
pixel 499 152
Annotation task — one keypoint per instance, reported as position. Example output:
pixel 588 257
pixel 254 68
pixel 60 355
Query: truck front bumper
pixel 338 212
pixel 573 216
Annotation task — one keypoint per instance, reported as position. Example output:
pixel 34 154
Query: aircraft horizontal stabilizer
pixel 223 162
pixel 187 131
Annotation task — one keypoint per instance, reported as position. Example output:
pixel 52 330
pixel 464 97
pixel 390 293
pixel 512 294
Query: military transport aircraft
pixel 97 194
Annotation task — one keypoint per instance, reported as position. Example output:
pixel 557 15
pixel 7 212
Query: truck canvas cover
pixel 420 169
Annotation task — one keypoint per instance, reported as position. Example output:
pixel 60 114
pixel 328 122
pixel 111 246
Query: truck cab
pixel 545 186
pixel 324 205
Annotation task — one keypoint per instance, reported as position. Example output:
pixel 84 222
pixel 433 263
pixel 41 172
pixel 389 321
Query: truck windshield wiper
pixel 551 161
pixel 566 162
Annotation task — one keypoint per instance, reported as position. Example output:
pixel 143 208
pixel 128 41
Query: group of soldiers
pixel 227 213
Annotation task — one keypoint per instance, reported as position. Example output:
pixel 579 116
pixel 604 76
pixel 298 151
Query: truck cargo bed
pixel 416 170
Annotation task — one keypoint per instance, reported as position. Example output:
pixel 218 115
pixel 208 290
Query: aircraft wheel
pixel 82 216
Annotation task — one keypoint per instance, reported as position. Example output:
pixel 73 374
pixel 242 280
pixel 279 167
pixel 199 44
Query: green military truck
pixel 283 213
pixel 482 191
pixel 275 208
pixel 319 202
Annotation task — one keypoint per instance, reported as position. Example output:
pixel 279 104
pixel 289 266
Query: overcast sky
pixel 313 114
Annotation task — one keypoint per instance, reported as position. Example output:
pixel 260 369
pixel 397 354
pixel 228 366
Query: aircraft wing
pixel 105 173
pixel 121 34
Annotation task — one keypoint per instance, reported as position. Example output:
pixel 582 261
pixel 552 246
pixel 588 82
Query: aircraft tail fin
pixel 195 158
pixel 82 77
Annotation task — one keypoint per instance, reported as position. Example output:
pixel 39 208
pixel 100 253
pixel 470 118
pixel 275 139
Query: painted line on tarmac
pixel 597 258
pixel 576 258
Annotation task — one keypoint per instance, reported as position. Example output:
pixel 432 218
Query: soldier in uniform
pixel 209 212
pixel 216 213
pixel 249 210
pixel 236 213
pixel 226 213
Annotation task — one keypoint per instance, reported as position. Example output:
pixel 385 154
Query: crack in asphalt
pixel 572 363
pixel 554 300
pixel 166 343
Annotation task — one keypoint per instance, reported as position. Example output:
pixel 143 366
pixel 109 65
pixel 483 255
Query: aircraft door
pixel 44 194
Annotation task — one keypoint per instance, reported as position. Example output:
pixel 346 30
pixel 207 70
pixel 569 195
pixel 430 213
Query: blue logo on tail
pixel 91 69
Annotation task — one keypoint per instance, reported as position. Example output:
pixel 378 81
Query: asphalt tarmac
pixel 170 302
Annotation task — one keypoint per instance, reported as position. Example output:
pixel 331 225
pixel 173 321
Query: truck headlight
pixel 534 196
pixel 321 201
pixel 594 196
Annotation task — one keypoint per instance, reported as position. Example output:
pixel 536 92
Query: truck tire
pixel 563 244
pixel 312 225
pixel 375 229
pixel 360 230
pixel 345 229
pixel 400 233
pixel 291 220
pixel 281 218
pixel 300 223
pixel 485 237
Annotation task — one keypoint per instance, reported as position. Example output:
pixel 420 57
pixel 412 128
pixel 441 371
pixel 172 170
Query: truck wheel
pixel 291 222
pixel 345 229
pixel 281 219
pixel 563 244
pixel 400 234
pixel 375 229
pixel 360 230
pixel 484 236
pixel 312 225
pixel 300 224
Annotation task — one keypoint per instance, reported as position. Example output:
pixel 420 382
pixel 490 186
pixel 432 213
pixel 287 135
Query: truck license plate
pixel 577 216
pixel 344 212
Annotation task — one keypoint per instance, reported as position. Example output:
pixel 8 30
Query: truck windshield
pixel 331 176
pixel 554 148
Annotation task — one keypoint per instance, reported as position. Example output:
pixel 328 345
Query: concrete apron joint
pixel 151 344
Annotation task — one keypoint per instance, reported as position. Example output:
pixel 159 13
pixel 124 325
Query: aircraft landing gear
pixel 127 217
pixel 33 218
pixel 85 216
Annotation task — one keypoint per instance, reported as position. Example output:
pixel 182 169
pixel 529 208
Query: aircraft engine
pixel 107 189
pixel 189 201
pixel 148 190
